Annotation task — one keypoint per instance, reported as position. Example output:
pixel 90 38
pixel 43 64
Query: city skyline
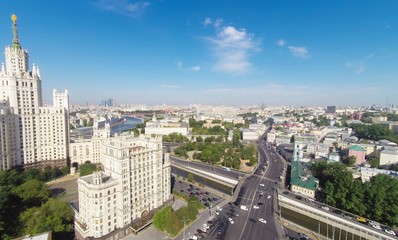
pixel 155 52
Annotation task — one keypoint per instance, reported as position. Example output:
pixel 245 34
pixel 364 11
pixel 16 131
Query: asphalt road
pixel 246 224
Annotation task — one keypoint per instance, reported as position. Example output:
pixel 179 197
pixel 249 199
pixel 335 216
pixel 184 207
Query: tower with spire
pixel 41 133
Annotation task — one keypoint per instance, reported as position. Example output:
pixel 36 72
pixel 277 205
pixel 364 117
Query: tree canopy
pixel 374 200
pixel 54 215
pixel 22 191
pixel 371 132
pixel 32 192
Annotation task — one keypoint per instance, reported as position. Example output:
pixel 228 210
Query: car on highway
pixel 375 225
pixel 256 207
pixel 243 207
pixel 389 231
pixel 262 220
pixel 303 236
pixel 361 219
pixel 325 208
pixel 349 216
pixel 231 221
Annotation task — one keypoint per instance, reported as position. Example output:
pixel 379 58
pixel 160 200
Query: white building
pixel 83 150
pixel 9 138
pixel 166 127
pixel 42 137
pixel 271 137
pixel 388 155
pixel 250 135
pixel 135 181
pixel 368 173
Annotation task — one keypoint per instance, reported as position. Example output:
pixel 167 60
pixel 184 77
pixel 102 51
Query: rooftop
pixel 356 148
pixel 300 176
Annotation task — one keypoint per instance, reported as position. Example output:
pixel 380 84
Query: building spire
pixel 15 41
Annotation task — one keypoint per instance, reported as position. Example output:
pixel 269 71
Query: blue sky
pixel 297 52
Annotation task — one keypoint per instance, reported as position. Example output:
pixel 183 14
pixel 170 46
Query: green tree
pixel 349 160
pixel 190 177
pixel 54 215
pixel 199 139
pixel 87 168
pixel 65 170
pixel 374 162
pixel 32 192
pixel 160 218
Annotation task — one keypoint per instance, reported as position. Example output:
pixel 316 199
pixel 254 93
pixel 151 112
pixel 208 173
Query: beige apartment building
pixel 135 181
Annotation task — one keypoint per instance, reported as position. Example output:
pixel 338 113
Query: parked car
pixel 231 221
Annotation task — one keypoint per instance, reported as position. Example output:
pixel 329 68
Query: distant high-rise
pixel 30 133
pixel 331 109
pixel 110 102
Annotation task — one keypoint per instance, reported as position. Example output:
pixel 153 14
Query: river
pixel 128 124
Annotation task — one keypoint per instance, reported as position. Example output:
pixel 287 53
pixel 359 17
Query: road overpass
pixel 325 223
pixel 207 174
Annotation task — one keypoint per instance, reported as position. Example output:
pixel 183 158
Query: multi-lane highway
pixel 257 195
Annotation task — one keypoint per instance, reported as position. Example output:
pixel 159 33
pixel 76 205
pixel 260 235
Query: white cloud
pixel 359 67
pixel 207 21
pixel 281 42
pixel 300 52
pixel 232 48
pixel 124 7
pixel 195 68
pixel 218 22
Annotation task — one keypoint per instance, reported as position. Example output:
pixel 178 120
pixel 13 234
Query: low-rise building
pixel 301 180
pixel 359 152
pixel 368 173
pixel 388 155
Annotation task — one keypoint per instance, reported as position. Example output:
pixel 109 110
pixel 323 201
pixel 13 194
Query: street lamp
pixel 184 229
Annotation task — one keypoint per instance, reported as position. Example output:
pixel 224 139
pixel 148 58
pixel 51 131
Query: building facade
pixel 359 153
pixel 135 181
pixel 40 135
pixel 82 150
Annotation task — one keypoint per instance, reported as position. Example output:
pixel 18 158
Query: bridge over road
pixel 326 224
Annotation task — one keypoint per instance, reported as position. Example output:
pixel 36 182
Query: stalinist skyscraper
pixel 30 134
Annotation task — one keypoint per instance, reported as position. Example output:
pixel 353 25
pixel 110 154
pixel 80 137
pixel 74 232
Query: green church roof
pixel 299 177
